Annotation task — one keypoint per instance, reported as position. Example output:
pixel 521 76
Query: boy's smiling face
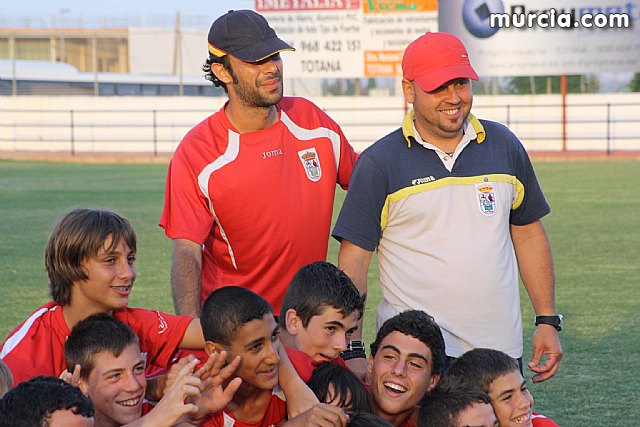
pixel 401 372
pixel 111 274
pixel 116 386
pixel 257 343
pixel 326 335
pixel 511 400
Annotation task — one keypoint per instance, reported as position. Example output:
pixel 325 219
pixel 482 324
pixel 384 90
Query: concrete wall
pixel 157 124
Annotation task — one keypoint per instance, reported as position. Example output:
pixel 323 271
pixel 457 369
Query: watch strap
pixel 555 321
pixel 355 349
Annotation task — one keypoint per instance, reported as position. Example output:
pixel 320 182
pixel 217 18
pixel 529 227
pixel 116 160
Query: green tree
pixel 634 84
pixel 526 85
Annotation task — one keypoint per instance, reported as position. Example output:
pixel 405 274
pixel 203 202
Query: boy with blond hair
pixel 90 260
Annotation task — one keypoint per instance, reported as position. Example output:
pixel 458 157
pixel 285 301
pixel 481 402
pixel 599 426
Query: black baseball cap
pixel 244 34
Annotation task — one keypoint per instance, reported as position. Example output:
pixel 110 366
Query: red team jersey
pixel 276 413
pixel 260 202
pixel 304 364
pixel 36 346
pixel 539 420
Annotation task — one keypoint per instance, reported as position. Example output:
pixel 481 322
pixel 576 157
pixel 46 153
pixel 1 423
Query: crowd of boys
pixel 90 336
pixel 88 359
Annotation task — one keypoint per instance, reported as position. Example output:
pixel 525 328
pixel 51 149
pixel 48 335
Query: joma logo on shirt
pixel 162 324
pixel 272 153
pixel 424 180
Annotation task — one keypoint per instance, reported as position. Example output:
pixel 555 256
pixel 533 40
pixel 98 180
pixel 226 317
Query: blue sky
pixel 91 8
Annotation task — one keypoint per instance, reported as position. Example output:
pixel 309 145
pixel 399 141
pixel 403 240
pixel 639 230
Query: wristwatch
pixel 355 349
pixel 555 321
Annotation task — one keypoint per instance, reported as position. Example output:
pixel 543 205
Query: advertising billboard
pixel 546 37
pixel 348 38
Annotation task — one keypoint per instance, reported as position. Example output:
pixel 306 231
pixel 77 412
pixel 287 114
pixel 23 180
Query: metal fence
pixel 590 126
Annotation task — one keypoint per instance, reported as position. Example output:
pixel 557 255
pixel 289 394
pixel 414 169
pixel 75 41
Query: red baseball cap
pixel 435 58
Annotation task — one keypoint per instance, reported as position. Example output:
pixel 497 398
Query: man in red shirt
pixel 250 190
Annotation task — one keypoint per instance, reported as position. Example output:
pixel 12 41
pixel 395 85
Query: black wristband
pixel 353 354
pixel 355 349
pixel 555 321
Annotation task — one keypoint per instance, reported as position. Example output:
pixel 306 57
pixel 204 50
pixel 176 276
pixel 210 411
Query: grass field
pixel 594 230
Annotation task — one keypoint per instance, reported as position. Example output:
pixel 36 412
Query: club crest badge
pixel 311 163
pixel 486 198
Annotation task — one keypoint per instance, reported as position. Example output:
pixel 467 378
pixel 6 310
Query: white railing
pixel 155 126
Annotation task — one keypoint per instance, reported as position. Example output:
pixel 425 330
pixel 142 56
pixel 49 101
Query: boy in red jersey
pixel 320 311
pixel 90 259
pixel 240 322
pixel 112 376
pixel 455 406
pixel 46 401
pixel 498 375
pixel 406 360
pixel 339 386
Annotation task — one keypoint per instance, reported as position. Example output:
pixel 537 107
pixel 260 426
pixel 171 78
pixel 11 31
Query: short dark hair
pixel 441 406
pixel 353 395
pixel 96 334
pixel 419 325
pixel 229 308
pixel 366 419
pixel 317 286
pixel 210 75
pixel 78 235
pixel 480 367
pixel 31 403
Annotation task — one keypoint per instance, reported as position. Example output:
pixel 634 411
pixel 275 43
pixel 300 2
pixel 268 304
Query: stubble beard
pixel 448 127
pixel 251 95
